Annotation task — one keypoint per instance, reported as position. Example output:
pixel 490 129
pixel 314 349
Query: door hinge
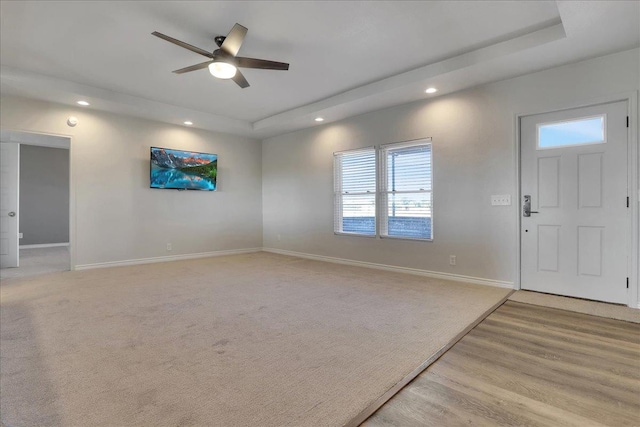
pixel 627 283
pixel 627 201
pixel 627 121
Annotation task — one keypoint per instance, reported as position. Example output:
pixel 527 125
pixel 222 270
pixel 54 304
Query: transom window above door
pixel 567 133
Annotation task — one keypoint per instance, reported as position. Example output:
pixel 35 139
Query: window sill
pixel 415 239
pixel 339 233
pixel 373 236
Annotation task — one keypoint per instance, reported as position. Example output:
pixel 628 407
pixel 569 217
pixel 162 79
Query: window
pixel 405 190
pixel 355 192
pixel 583 131
pixel 402 187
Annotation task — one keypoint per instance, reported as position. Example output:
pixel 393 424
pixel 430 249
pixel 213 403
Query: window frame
pixel 574 119
pixel 338 194
pixel 384 191
pixel 380 196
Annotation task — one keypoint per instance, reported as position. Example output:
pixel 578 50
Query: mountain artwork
pixel 183 170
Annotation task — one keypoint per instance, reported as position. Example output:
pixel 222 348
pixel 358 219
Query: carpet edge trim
pixel 414 271
pixel 165 258
pixel 371 409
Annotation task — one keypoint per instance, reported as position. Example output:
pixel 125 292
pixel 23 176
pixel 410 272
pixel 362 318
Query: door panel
pixel 9 180
pixel 575 242
pixel 549 182
pixel 548 247
pixel 590 180
pixel 590 250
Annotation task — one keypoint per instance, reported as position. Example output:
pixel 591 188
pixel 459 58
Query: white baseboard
pixel 165 258
pixel 44 245
pixel 415 271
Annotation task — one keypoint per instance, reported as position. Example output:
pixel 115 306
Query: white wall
pixel 473 135
pixel 118 217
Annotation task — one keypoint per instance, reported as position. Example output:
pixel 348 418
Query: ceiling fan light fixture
pixel 223 63
pixel 222 70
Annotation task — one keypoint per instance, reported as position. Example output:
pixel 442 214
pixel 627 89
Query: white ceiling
pixel 347 57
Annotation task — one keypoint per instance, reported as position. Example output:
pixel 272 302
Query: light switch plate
pixel 501 200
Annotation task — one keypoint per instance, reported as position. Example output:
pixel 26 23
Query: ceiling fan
pixel 223 62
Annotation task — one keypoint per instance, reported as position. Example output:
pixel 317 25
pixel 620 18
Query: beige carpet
pixel 34 261
pixel 246 340
pixel 594 308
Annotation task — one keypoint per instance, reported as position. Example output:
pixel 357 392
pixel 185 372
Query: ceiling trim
pixel 67 92
pixel 340 106
pixel 359 95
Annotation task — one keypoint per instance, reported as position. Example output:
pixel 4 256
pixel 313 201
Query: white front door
pixel 574 170
pixel 9 180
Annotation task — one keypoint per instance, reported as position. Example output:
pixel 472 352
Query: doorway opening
pixel 36 200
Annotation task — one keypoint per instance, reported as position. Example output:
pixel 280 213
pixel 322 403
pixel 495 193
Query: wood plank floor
pixel 526 365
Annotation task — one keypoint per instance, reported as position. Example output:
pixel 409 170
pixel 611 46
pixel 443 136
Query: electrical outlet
pixel 501 200
pixel 20 235
pixel 452 260
pixel 169 247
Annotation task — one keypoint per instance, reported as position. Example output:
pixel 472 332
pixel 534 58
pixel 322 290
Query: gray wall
pixel 117 216
pixel 474 157
pixel 44 195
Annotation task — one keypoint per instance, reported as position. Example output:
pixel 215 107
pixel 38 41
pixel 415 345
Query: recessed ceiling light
pixel 188 123
pixel 319 119
pixel 431 90
pixel 85 103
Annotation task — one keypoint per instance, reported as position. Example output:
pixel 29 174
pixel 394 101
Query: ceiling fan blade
pixel 193 67
pixel 234 39
pixel 183 44
pixel 240 80
pixel 261 63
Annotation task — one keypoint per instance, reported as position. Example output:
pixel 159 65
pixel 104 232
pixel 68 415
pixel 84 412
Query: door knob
pixel 526 207
pixel 12 214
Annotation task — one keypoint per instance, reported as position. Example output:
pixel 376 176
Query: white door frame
pixel 632 181
pixel 53 141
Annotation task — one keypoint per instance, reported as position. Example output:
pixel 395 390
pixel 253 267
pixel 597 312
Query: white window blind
pixel 406 186
pixel 355 191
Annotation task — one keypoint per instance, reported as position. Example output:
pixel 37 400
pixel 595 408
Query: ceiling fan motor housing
pixel 221 56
